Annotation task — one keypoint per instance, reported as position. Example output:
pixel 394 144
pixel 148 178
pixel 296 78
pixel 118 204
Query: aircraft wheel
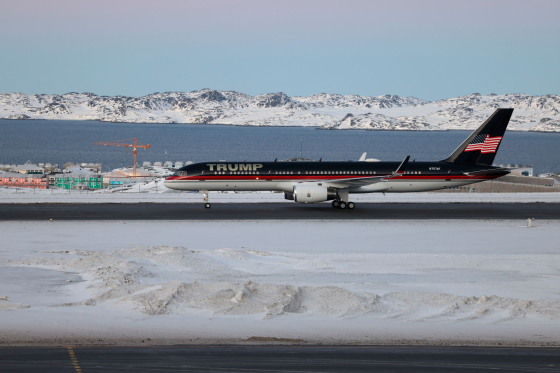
pixel 351 205
pixel 207 205
pixel 342 205
pixel 335 203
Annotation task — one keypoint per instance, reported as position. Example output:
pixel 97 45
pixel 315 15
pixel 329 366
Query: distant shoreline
pixel 270 126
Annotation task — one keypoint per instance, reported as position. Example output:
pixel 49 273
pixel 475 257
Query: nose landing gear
pixel 206 204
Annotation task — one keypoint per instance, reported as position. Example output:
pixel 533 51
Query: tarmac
pixel 259 358
pixel 278 211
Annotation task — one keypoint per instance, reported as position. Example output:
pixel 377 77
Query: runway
pixel 278 359
pixel 278 211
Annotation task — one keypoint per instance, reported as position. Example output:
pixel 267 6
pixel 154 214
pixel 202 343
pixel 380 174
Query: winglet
pixel 363 157
pixel 402 167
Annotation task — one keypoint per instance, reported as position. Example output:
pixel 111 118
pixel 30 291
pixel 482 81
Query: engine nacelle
pixel 310 193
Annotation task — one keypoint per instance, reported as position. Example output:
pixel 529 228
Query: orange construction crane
pixel 123 144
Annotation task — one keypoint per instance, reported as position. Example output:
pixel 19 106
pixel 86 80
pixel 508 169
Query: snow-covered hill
pixel 328 111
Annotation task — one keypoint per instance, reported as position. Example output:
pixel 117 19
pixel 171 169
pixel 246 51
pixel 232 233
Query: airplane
pixel 317 181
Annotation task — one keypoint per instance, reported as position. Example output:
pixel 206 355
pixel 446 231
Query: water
pixel 71 141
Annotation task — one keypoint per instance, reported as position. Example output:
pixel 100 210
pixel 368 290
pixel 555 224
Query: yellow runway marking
pixel 74 360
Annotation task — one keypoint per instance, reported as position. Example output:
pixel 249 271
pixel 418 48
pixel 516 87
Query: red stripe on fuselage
pixel 323 177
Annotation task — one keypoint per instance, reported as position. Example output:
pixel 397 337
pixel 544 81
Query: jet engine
pixel 310 193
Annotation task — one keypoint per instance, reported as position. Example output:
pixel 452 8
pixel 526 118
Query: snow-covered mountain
pixel 327 111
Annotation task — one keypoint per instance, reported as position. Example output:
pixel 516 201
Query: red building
pixel 15 179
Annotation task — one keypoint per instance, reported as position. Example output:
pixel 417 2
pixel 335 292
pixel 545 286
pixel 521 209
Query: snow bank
pixel 126 279
pixel 93 285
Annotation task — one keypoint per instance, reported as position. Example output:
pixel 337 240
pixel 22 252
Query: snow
pixel 149 193
pixel 428 282
pixel 328 111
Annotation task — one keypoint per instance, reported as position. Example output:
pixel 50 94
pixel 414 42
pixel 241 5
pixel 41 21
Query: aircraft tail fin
pixel 481 146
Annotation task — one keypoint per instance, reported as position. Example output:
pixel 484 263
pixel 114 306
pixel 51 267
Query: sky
pixel 429 49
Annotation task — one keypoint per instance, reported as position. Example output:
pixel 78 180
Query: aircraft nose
pixel 171 182
pixel 168 183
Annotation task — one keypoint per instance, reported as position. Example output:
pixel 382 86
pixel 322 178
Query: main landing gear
pixel 343 205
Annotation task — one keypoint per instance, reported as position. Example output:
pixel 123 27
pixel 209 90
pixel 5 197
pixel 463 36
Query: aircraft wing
pixel 358 181
pixel 362 181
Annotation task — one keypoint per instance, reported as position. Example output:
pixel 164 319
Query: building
pixel 41 168
pixel 123 176
pixel 520 180
pixel 509 184
pixel 23 180
pixel 49 167
pixel 76 181
pixel 518 169
pixel 91 167
pixel 29 169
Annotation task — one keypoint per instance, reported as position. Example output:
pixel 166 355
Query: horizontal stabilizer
pixel 493 171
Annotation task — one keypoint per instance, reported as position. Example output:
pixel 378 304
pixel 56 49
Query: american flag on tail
pixel 484 143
